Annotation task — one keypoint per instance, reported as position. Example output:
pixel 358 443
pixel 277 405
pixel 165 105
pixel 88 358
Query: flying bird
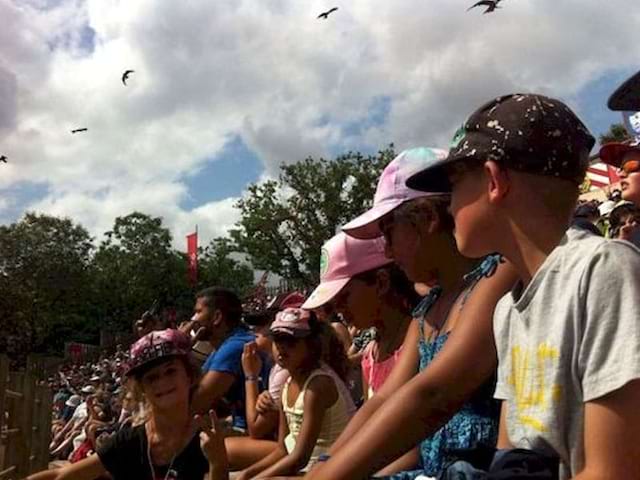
pixel 78 130
pixel 326 14
pixel 491 5
pixel 125 76
pixel 3 159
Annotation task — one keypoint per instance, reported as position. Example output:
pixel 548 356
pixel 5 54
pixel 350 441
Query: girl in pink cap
pixel 418 231
pixel 316 405
pixel 170 444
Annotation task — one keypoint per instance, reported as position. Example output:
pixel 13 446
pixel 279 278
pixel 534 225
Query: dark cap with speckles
pixel 524 132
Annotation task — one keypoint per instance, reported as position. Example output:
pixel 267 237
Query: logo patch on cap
pixel 324 261
pixel 457 137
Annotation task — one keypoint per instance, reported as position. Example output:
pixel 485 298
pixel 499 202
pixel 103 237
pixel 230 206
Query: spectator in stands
pixel 219 311
pixel 167 444
pixel 624 223
pixel 449 343
pixel 316 405
pixel 625 157
pixel 370 292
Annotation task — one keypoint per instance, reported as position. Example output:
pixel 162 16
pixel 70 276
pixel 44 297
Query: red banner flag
pixel 192 258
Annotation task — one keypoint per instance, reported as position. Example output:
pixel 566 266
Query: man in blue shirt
pixel 219 311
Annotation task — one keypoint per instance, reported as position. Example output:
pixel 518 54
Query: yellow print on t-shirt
pixel 534 394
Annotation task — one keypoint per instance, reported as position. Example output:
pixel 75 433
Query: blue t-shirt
pixel 228 359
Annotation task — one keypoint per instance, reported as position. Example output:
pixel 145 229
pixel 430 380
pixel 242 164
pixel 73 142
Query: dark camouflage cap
pixel 627 96
pixel 524 132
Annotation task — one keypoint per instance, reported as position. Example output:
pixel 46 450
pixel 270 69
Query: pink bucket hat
pixel 341 258
pixel 392 190
pixel 291 321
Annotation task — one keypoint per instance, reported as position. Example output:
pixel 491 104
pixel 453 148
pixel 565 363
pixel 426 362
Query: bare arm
pixel 503 437
pixel 259 424
pixel 212 387
pixel 427 402
pixel 611 426
pixel 279 452
pixel 402 372
pixel 320 395
pixel 88 469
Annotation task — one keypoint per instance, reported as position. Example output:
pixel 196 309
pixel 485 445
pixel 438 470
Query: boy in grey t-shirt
pixel 568 335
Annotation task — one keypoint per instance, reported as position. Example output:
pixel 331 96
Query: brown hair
pixel 424 210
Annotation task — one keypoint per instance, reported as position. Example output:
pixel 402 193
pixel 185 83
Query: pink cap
pixel 156 345
pixel 291 321
pixel 341 258
pixel 392 190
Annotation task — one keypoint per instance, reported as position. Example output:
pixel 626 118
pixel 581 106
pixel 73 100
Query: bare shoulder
pixel 322 388
pixel 496 282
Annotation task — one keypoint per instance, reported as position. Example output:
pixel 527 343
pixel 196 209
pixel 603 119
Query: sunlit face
pixel 630 182
pixel 358 302
pixel 289 352
pixel 468 207
pixel 167 385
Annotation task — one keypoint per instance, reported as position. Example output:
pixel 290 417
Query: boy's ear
pixel 499 181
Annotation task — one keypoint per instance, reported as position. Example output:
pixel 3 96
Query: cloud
pixel 268 72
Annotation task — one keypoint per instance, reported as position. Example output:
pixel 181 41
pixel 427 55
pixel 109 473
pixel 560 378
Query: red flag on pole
pixel 192 258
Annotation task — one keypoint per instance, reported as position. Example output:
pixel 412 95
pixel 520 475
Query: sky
pixel 225 91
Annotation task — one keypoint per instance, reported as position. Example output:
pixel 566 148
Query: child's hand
pixel 212 440
pixel 265 403
pixel 251 362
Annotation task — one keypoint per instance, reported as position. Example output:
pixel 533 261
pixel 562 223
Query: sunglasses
pixel 630 167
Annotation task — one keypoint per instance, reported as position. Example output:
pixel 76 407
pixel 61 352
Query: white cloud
pixel 269 72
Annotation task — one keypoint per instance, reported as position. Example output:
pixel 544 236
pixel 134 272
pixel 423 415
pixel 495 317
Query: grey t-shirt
pixel 571 336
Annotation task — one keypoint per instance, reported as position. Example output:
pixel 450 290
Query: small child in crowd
pixel 316 405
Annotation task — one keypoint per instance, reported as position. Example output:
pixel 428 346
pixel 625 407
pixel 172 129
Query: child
pixel 166 445
pixel 568 335
pixel 316 405
pixel 369 291
pixel 625 157
pixel 455 382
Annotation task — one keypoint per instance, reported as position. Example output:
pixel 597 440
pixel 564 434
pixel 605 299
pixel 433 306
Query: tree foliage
pixel 44 280
pixel 217 266
pixel 616 133
pixel 284 222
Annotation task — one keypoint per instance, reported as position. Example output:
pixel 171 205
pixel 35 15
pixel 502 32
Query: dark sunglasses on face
pixel 630 167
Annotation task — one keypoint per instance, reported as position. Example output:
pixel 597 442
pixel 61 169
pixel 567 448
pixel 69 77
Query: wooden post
pixel 14 452
pixel 4 374
pixel 26 419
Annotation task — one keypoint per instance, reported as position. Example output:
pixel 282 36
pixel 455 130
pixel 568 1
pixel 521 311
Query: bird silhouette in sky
pixel 326 14
pixel 125 76
pixel 78 130
pixel 491 5
pixel 3 159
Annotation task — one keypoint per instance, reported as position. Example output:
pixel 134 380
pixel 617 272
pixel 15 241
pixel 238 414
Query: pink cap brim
pixel 367 226
pixel 324 293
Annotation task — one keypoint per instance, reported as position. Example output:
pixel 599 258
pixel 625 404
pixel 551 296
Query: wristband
pixel 323 457
pixel 251 378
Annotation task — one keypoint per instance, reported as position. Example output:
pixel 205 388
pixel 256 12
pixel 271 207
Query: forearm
pixel 360 418
pixel 266 462
pixel 288 465
pixel 251 396
pixel 46 475
pixel 411 415
pixel 408 461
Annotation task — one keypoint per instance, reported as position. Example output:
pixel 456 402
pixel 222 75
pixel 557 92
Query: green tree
pixel 284 223
pixel 45 282
pixel 217 266
pixel 136 265
pixel 616 133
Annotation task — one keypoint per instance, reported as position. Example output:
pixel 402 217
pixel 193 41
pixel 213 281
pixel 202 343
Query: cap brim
pixel 433 179
pixel 324 293
pixel 612 153
pixel 289 332
pixel 627 96
pixel 367 226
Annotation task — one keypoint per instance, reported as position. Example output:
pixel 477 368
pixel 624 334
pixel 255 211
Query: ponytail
pixel 325 345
